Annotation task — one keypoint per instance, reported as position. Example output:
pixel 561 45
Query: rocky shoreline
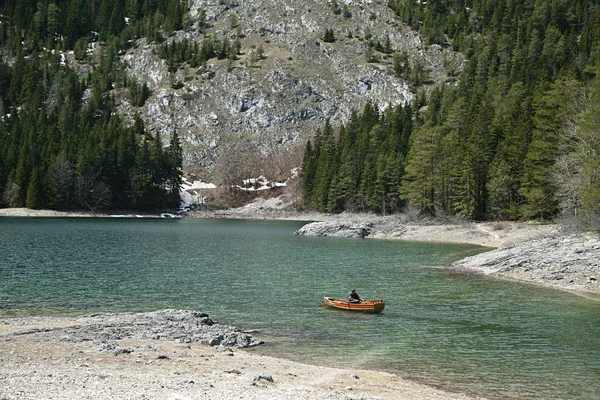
pixel 570 262
pixel 169 354
pixel 487 234
pixel 104 331
pixel 540 254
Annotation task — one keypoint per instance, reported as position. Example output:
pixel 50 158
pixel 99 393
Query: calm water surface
pixel 475 335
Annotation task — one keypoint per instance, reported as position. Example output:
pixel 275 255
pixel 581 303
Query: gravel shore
pixel 165 355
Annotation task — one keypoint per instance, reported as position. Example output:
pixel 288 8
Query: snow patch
pixel 197 185
pixel 260 183
pixel 190 193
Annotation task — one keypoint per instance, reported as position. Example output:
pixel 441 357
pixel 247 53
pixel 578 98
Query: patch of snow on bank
pixel 260 183
pixel 190 195
pixel 197 185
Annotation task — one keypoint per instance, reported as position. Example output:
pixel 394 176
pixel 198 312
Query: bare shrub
pixel 499 225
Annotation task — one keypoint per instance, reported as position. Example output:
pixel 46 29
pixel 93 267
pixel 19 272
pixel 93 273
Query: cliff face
pixel 279 100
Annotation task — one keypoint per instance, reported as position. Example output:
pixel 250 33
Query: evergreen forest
pixel 517 137
pixel 63 144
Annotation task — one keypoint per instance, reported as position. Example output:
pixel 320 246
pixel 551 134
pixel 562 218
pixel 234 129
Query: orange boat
pixel 370 306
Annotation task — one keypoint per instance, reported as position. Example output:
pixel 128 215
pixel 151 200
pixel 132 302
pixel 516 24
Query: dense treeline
pixel 62 143
pixel 518 137
pixel 59 151
pixel 360 167
pixel 67 24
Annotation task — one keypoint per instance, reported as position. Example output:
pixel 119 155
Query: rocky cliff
pixel 300 80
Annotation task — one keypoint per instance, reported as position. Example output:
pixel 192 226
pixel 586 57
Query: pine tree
pixel 329 36
pixel 174 16
pixel 325 167
pixel 420 180
pixel 537 187
pixel 33 199
pixel 308 173
pixel 513 120
pixel 54 16
pixel 175 176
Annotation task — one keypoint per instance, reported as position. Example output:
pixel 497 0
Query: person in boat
pixel 353 297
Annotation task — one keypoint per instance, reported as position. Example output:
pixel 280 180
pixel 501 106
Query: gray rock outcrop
pixel 571 262
pixel 334 229
pixel 183 326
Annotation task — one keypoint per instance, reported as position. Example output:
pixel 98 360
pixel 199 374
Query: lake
pixel 471 334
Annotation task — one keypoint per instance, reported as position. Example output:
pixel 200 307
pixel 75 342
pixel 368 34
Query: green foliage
pixel 185 51
pixel 420 186
pixel 361 168
pixel 62 23
pixel 538 188
pixel 577 171
pixel 139 93
pixel 515 139
pixel 329 36
pixel 59 151
pixel 411 70
pixel 495 140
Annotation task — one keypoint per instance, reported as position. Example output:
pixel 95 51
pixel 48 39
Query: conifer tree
pixel 325 167
pixel 537 186
pixel 329 36
pixel 420 180
pixel 308 173
pixel 33 199
pixel 175 176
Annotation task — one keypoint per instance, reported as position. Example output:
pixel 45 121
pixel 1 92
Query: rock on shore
pixel 567 262
pixel 335 229
pixel 105 330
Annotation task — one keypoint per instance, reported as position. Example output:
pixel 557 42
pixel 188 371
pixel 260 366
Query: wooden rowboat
pixel 370 306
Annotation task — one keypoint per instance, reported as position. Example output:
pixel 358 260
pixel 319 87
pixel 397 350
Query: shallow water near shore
pixel 471 334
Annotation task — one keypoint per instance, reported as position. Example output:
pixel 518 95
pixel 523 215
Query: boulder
pixel 335 229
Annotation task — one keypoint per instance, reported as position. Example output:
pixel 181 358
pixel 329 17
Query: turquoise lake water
pixel 476 335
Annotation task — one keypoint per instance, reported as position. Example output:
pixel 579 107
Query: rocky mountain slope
pixel 298 83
